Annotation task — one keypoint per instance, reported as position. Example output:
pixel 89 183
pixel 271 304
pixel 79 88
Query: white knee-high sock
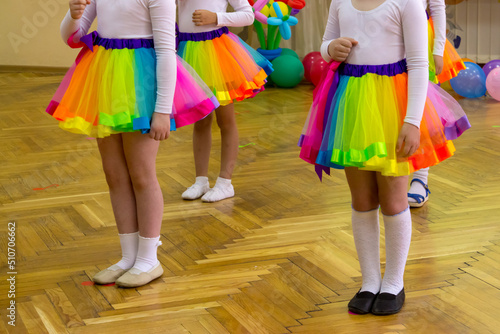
pixel 129 243
pixel 366 232
pixel 147 253
pixel 397 245
pixel 422 174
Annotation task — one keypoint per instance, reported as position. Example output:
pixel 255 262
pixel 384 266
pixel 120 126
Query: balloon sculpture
pixel 277 17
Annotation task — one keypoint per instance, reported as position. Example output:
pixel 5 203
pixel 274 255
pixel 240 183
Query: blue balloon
pixel 471 82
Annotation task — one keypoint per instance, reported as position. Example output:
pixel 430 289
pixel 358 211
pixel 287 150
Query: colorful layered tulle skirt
pixel 452 62
pixel 111 88
pixel 358 112
pixel 229 66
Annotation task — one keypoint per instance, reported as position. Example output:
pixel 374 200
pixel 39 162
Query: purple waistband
pixel 386 69
pixel 116 43
pixel 202 36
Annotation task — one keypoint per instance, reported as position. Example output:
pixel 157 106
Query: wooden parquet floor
pixel 277 258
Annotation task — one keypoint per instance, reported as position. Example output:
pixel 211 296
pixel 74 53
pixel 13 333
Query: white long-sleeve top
pixel 395 30
pixel 437 10
pixel 242 16
pixel 134 19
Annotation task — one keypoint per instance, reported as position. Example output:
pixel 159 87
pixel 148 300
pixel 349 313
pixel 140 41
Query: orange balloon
pixel 468 59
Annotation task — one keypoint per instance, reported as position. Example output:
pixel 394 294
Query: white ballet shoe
pixel 196 191
pixel 135 277
pixel 223 189
pixel 108 275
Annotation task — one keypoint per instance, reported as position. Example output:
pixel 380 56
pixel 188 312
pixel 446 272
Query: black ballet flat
pixel 362 302
pixel 387 303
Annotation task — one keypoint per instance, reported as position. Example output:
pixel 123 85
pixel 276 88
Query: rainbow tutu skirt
pixel 229 66
pixel 111 88
pixel 452 62
pixel 357 114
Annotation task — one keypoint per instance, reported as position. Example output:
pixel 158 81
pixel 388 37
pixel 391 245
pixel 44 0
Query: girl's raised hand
pixel 408 140
pixel 77 7
pixel 340 48
pixel 203 17
pixel 160 126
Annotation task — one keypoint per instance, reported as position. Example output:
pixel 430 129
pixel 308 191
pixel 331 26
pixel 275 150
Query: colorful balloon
pixel 493 83
pixel 309 61
pixel 288 71
pixel 470 82
pixel 491 66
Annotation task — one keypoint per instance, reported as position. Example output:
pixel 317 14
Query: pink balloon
pixel 493 83
pixel 314 65
pixel 259 4
pixel 261 17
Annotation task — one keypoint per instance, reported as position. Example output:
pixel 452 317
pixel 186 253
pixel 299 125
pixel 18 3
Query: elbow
pixel 249 18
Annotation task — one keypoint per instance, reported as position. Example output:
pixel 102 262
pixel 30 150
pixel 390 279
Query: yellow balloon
pixel 266 11
pixel 284 9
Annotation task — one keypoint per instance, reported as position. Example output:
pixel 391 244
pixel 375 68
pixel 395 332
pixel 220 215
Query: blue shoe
pixel 419 199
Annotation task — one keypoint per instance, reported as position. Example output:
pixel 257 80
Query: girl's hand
pixel 438 61
pixel 160 127
pixel 77 7
pixel 203 17
pixel 340 48
pixel 408 140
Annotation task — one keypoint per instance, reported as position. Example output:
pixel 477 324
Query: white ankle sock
pixel 366 231
pixel 223 189
pixel 129 243
pixel 417 187
pixel 147 253
pixel 422 174
pixel 397 245
pixel 201 180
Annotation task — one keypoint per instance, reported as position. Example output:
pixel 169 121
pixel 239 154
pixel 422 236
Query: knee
pixel 226 124
pixel 365 202
pixel 393 208
pixel 116 178
pixel 142 179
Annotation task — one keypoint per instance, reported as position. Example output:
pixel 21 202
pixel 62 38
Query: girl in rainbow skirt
pixel 444 64
pixel 376 115
pixel 128 89
pixel 232 69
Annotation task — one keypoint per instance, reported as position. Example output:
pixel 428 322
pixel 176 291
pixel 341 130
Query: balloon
pixel 288 71
pixel 493 83
pixel 469 60
pixel 260 4
pixel 317 70
pixel 491 66
pixel 283 7
pixel 309 61
pixel 266 11
pixel 470 82
pixel 289 52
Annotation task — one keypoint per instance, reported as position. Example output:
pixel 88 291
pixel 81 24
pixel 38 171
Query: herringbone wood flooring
pixel 278 258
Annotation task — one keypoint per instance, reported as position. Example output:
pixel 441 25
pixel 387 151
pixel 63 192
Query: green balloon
pixel 288 71
pixel 289 52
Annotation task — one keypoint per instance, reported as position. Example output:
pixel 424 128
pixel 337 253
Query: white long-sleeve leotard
pixel 395 30
pixel 242 16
